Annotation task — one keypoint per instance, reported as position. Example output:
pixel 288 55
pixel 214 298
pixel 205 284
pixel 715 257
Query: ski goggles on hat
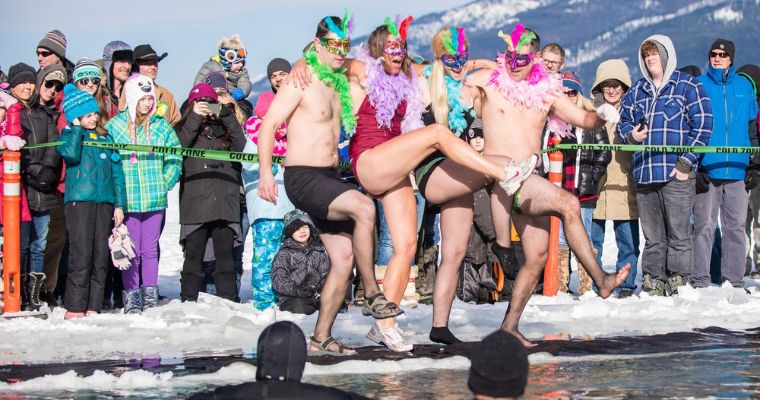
pixel 516 60
pixel 234 55
pixel 339 47
pixel 395 47
pixel 454 62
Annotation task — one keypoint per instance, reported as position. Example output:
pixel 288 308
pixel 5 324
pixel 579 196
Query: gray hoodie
pixel 670 61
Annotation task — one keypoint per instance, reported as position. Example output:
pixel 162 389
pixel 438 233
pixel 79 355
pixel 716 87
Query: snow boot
pixel 32 284
pixel 564 269
pixel 652 286
pixel 428 263
pixel 508 260
pixel 675 282
pixel 133 301
pixel 149 297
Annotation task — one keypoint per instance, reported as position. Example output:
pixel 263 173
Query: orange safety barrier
pixel 11 231
pixel 551 270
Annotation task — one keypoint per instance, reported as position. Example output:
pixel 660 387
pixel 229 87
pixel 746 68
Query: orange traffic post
pixel 551 270
pixel 11 231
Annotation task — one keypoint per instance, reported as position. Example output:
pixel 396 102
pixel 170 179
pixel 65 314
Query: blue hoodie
pixel 733 106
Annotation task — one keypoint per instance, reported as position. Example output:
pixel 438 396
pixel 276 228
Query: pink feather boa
pixel 386 92
pixel 536 92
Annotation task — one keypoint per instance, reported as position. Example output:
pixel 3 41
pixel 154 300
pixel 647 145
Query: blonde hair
pixel 225 95
pixel 439 99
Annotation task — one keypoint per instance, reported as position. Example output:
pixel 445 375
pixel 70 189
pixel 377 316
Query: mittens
pixel 122 247
pixel 608 113
pixel 237 93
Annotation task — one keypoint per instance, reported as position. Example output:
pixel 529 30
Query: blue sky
pixel 187 30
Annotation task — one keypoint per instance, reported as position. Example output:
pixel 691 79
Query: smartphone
pixel 642 123
pixel 215 108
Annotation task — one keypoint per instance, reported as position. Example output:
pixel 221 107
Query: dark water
pixel 711 363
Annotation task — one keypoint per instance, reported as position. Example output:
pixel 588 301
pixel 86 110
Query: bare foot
pixel 527 343
pixel 611 281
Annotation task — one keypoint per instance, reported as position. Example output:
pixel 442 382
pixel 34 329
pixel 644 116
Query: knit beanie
pixel 752 73
pixel 200 91
pixel 294 220
pixel 725 45
pixel 262 104
pixel 499 366
pixel 278 64
pixel 51 72
pixel 137 87
pixel 54 41
pixel 20 73
pixel 475 131
pixel 77 103
pixel 86 68
pixel 571 81
pixel 216 79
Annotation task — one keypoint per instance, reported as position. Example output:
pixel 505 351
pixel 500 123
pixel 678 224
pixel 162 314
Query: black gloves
pixel 703 181
pixel 45 181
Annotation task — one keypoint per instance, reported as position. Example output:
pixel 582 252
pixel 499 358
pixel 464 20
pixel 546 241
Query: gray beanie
pixel 54 41
pixel 278 64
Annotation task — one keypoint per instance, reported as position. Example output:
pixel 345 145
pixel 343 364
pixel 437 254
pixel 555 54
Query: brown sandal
pixel 324 347
pixel 380 308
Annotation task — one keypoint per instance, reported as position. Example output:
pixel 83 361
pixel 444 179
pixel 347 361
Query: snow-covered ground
pixel 214 326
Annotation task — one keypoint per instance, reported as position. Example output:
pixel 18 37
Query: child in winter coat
pixel 95 193
pixel 266 218
pixel 301 266
pixel 231 61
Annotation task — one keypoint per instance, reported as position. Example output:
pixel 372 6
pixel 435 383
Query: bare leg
pixel 331 299
pixel 539 197
pixel 502 223
pixel 534 234
pixel 385 166
pixel 400 209
pixel 358 207
pixel 456 224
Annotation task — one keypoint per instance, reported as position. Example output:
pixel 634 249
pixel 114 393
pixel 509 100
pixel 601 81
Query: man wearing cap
pixel 721 189
pixel 117 63
pixel 498 367
pixel 146 63
pixel 666 107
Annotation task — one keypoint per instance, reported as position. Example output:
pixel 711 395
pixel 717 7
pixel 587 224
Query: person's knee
pixel 570 206
pixel 364 211
pixel 453 255
pixel 405 247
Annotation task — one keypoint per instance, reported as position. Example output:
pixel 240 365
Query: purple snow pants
pixel 144 229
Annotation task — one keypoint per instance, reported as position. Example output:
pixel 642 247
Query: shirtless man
pixel 312 183
pixel 516 99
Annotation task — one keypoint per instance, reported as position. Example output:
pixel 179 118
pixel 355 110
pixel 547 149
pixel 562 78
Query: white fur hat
pixel 137 87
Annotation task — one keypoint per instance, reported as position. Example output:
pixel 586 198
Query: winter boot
pixel 564 269
pixel 133 301
pixel 652 286
pixel 149 297
pixel 426 274
pixel 34 283
pixel 507 259
pixel 675 282
pixel 585 283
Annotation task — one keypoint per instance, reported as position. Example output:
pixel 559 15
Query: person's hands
pixel 702 181
pixel 118 216
pixel 13 143
pixel 268 187
pixel 640 133
pixel 608 113
pixel 75 122
pixel 201 108
pixel 237 94
pixel 47 177
pixel 681 176
pixel 300 75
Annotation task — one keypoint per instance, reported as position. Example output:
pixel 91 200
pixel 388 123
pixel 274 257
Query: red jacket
pixel 13 128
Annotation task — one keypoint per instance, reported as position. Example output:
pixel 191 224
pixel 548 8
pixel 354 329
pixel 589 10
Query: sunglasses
pixel 54 84
pixel 395 47
pixel 715 54
pixel 44 53
pixel 233 55
pixel 454 62
pixel 515 59
pixel 86 81
pixel 339 47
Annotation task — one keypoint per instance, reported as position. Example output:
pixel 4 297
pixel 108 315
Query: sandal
pixel 380 308
pixel 324 347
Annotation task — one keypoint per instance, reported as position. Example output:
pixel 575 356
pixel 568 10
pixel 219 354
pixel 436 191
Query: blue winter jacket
pixel 733 106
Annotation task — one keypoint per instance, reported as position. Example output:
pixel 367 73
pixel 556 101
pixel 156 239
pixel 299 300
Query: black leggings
pixel 225 277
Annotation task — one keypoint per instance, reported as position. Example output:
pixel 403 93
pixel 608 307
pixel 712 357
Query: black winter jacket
pixel 209 189
pixel 300 271
pixel 40 168
pixel 591 165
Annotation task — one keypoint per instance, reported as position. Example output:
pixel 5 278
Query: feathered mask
pixel 346 27
pixel 518 38
pixel 398 27
pixel 454 41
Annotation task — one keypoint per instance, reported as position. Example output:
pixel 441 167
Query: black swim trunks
pixel 312 189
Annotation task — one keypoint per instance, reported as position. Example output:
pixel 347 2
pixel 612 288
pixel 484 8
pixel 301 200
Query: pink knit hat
pixel 202 90
pixel 262 104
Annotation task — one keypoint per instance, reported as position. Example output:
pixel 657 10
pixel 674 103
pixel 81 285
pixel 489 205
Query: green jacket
pixel 93 175
pixel 149 176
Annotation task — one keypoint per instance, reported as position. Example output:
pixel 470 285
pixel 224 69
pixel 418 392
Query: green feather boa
pixel 338 81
